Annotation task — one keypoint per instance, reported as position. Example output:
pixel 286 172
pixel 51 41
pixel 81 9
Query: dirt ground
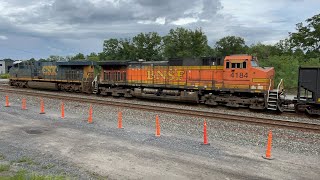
pixel 90 151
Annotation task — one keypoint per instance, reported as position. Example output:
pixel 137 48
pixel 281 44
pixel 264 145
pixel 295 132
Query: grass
pixel 4 76
pixel 26 160
pixel 4 167
pixel 23 175
pixel 48 166
pixel 2 157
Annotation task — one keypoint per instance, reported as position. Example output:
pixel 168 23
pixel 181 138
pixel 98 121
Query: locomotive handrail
pixel 269 89
pixel 281 81
pixel 278 88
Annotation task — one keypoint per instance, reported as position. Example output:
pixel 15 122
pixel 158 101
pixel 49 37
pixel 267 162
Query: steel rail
pixel 194 113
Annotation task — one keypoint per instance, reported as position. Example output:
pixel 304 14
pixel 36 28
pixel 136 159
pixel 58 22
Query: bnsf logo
pixel 49 70
pixel 170 75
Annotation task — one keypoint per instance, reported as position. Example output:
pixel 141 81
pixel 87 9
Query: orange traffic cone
pixel 7 101
pixel 120 120
pixel 62 110
pixel 269 146
pixel 90 115
pixel 157 126
pixel 24 104
pixel 205 138
pixel 41 106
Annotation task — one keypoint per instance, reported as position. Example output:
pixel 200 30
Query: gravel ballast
pixel 179 135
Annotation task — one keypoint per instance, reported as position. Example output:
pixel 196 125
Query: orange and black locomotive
pixel 235 81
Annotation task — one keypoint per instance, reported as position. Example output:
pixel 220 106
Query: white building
pixel 5 65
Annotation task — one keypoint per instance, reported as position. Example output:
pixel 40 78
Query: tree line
pixel 182 43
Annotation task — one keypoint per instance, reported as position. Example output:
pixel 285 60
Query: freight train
pixel 233 81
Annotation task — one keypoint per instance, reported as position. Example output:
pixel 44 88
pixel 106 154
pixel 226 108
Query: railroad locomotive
pixel 66 76
pixel 235 81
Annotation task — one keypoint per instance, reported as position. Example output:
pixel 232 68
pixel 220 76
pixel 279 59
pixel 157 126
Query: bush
pixel 4 76
pixel 287 68
pixel 4 167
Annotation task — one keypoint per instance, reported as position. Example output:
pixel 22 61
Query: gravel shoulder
pixel 74 148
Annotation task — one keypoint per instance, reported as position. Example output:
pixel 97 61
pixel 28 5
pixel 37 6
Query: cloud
pixel 76 18
pixel 185 21
pixel 64 27
pixel 3 37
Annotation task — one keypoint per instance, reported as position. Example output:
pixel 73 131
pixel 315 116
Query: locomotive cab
pixel 242 72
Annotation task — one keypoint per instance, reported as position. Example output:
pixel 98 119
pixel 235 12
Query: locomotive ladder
pixel 273 97
pixel 95 85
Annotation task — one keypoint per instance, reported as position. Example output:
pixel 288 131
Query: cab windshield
pixel 254 63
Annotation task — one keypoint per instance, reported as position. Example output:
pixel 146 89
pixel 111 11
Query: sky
pixel 40 28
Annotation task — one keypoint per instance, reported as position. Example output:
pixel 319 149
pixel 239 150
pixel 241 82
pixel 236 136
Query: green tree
pixel 55 58
pixel 181 42
pixel 287 66
pixel 69 58
pixel 78 56
pixel 127 50
pixel 114 49
pixel 307 36
pixel 263 51
pixel 32 60
pixel 93 57
pixel 231 45
pixel 148 46
pixel 210 52
pixel 199 43
pixel 111 49
pixel 102 56
pixel 285 47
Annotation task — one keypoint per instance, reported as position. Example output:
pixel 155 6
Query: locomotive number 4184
pixel 239 75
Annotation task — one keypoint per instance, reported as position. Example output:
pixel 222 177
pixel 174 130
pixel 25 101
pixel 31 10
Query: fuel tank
pixel 43 85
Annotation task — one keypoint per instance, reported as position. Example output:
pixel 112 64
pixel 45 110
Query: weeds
pixel 26 160
pixel 48 166
pixel 23 175
pixel 2 157
pixel 4 167
pixel 4 76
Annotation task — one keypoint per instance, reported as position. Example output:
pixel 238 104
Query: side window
pixel 238 65
pixel 228 65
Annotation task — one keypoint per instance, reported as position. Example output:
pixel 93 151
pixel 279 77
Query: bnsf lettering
pixel 170 75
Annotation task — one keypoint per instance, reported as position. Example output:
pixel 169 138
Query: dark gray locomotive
pixel 65 76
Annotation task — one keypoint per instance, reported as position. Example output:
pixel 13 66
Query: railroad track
pixel 195 113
